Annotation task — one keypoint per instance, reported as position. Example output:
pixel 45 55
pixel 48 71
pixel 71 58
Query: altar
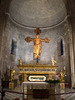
pixel 36 72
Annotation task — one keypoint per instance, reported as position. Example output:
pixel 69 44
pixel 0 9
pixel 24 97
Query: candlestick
pixel 64 67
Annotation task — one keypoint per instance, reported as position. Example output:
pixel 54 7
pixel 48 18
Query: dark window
pixel 13 47
pixel 61 47
pixel 40 93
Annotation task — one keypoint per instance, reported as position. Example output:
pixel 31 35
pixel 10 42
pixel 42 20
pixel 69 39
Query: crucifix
pixel 37 49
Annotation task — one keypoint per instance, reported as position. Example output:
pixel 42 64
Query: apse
pixel 24 17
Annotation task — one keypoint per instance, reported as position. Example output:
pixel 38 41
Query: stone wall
pixel 2 24
pixel 71 12
pixel 4 6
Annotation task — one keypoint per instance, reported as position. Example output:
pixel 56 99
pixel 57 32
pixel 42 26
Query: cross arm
pixel 28 39
pixel 47 40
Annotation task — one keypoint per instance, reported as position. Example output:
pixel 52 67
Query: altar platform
pixel 36 72
pixel 39 90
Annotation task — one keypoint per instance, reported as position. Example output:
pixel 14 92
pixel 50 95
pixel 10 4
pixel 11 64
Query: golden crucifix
pixel 37 49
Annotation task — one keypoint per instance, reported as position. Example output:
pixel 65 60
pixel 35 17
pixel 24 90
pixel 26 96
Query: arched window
pixel 61 47
pixel 13 47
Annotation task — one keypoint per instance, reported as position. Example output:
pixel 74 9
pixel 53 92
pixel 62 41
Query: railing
pixel 13 95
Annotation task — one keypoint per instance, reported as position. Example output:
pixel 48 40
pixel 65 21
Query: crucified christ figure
pixel 37 49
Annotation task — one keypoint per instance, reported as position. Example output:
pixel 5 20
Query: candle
pixel 64 67
pixel 9 67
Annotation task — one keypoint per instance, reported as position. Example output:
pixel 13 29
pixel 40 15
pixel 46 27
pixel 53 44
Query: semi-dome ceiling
pixel 37 13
